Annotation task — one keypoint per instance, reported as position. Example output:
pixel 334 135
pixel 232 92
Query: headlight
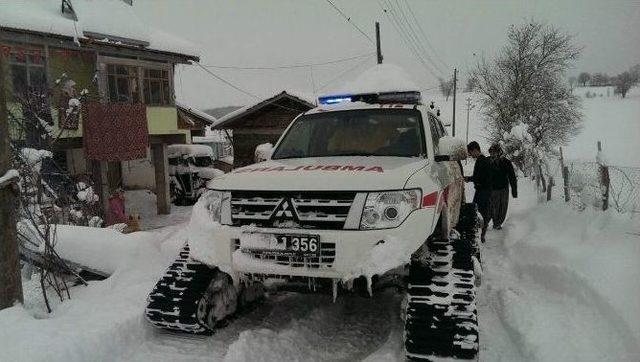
pixel 384 210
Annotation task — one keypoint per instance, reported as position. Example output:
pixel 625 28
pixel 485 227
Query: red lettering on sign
pixel 332 168
pixel 376 169
pixel 352 168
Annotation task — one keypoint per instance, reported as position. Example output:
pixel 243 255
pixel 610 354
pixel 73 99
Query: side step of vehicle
pixel 441 317
pixel 173 303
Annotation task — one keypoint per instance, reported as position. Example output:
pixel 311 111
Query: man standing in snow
pixel 482 181
pixel 503 176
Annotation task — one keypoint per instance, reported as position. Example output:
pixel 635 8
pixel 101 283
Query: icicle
pixel 369 288
pixel 335 289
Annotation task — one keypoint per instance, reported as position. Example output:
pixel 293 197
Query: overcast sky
pixel 264 33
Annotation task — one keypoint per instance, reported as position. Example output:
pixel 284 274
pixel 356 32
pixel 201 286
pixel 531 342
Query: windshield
pixel 202 161
pixel 370 132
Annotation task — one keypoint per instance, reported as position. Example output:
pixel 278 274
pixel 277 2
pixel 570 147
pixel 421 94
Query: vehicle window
pixel 202 161
pixel 375 132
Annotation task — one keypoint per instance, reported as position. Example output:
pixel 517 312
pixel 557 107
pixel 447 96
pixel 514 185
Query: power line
pixel 394 21
pixel 416 38
pixel 424 35
pixel 339 76
pixel 240 89
pixel 348 19
pixel 290 66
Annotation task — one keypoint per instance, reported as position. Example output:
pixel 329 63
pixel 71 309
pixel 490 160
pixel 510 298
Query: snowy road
pixel 558 285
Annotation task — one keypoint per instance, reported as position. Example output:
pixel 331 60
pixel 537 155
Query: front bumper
pixel 357 252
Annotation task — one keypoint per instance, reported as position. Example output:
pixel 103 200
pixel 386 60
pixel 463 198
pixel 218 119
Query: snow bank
pixel 562 284
pixel 263 152
pixel 101 249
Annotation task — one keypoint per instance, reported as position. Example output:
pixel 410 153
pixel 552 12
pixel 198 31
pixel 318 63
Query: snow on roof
pixel 379 78
pixel 253 107
pixel 111 21
pixel 207 117
pixel 189 149
pixel 346 106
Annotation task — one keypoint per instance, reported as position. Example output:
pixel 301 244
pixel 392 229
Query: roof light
pixel 406 97
pixel 334 99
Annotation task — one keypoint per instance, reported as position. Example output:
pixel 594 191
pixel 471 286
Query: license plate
pixel 281 244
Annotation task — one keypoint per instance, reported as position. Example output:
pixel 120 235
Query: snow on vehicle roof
pixel 191 150
pixel 348 106
pixel 378 79
pixel 109 21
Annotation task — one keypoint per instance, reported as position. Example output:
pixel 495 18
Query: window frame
pixel 28 64
pixel 142 66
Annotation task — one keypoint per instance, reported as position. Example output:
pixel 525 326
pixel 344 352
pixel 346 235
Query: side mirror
pixel 451 149
pixel 263 152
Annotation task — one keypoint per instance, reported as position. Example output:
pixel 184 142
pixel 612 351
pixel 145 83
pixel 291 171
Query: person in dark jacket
pixel 482 179
pixel 503 177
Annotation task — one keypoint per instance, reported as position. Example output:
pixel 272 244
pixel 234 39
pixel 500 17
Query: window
pixel 156 87
pixel 27 70
pixel 123 83
pixel 371 132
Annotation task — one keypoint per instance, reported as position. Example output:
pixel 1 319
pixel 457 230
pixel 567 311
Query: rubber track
pixel 173 301
pixel 441 316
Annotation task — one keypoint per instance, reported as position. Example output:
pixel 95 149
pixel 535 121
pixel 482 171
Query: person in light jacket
pixel 503 177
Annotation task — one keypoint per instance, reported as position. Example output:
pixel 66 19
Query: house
pixel 124 68
pixel 259 123
pixel 193 119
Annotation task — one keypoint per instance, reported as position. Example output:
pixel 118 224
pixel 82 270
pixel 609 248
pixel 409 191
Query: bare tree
pixel 624 82
pixel 446 87
pixel 573 81
pixel 48 196
pixel 527 104
pixel 10 281
pixel 584 78
pixel 471 84
pixel 600 79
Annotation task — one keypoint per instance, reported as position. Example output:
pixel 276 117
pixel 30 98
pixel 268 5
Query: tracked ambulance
pixel 362 193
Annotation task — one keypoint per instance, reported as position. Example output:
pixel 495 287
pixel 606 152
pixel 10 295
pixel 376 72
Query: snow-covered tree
pixel 624 82
pixel 584 78
pixel 446 87
pixel 527 104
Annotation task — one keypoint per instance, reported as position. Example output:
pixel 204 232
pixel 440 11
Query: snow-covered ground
pixel 558 285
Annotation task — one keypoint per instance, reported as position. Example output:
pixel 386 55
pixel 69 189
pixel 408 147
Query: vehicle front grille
pixel 309 210
pixel 325 260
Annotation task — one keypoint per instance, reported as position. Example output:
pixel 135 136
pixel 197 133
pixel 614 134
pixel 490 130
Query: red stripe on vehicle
pixel 430 200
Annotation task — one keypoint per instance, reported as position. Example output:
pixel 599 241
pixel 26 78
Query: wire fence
pixel 595 184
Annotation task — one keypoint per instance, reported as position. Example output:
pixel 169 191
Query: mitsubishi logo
pixel 284 211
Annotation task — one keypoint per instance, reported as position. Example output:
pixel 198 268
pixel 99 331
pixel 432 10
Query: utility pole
pixel 469 108
pixel 10 280
pixel 455 81
pixel 378 47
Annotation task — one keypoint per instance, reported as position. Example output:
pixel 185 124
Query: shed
pixel 259 123
pixel 193 119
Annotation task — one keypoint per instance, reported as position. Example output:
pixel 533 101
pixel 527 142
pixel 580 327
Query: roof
pixel 196 113
pixel 112 22
pixel 189 149
pixel 350 106
pixel 246 110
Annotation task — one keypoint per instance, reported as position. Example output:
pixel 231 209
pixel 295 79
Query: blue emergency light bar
pixel 410 97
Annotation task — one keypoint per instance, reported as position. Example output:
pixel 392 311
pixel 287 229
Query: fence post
pixel 604 179
pixel 565 176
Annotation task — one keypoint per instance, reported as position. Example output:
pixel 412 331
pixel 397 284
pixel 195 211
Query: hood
pixel 322 174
